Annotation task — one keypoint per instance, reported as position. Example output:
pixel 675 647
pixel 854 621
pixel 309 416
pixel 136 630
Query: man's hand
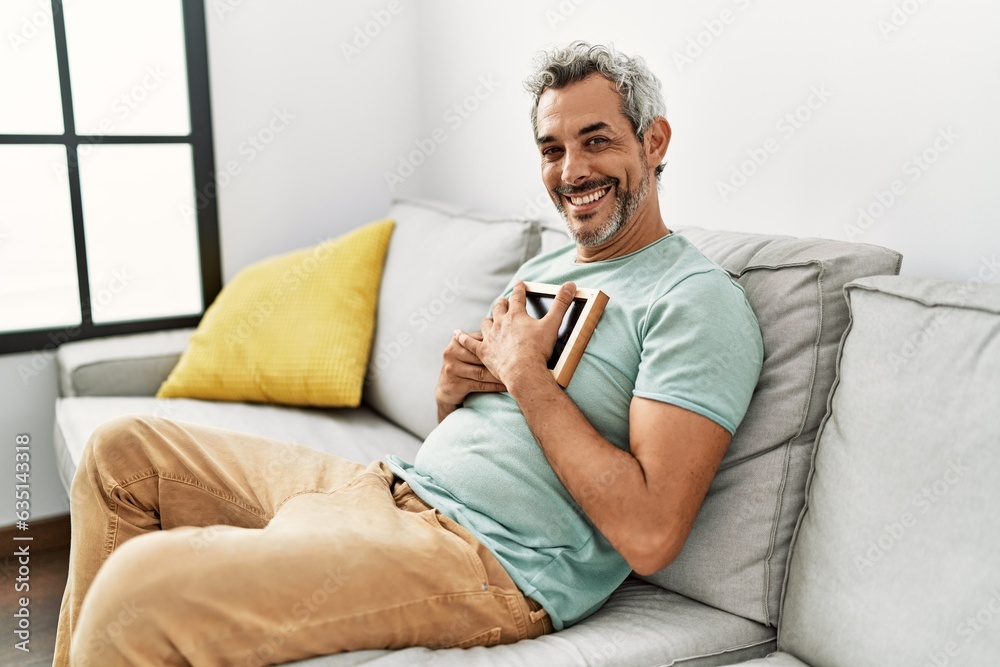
pixel 513 344
pixel 462 373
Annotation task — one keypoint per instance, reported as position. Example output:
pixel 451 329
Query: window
pixel 107 220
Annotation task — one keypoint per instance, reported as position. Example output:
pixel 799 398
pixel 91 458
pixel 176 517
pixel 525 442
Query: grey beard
pixel 626 205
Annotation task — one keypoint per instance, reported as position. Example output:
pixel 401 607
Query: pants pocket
pixel 452 528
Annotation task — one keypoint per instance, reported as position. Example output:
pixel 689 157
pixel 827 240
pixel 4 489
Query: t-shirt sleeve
pixel 701 349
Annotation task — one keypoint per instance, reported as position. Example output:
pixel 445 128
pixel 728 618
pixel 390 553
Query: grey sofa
pixel 739 591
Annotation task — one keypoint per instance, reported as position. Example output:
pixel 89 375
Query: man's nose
pixel 576 167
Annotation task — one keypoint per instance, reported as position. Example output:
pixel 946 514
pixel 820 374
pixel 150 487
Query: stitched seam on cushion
pixel 773 537
pixel 467 213
pixel 812 383
pixel 722 652
pixel 805 418
pixel 922 302
pixel 776 267
pixel 755 455
pixel 812 460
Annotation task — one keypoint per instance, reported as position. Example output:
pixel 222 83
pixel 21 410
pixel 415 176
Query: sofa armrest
pixel 131 365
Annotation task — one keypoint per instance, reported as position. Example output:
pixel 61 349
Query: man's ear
pixel 655 142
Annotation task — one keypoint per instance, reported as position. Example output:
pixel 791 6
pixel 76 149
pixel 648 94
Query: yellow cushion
pixel 294 329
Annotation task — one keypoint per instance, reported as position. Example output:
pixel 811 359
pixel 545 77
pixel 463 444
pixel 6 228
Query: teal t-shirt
pixel 676 329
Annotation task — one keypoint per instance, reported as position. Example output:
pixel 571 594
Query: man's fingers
pixel 458 353
pixel 475 377
pixel 482 375
pixel 518 297
pixel 564 297
pixel 500 308
pixel 475 373
pixel 468 342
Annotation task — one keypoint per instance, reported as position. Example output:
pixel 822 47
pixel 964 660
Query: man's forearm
pixel 607 482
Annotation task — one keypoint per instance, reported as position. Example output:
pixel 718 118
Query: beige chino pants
pixel 201 546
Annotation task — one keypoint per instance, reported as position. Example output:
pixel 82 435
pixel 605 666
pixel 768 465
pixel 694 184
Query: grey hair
pixel 641 91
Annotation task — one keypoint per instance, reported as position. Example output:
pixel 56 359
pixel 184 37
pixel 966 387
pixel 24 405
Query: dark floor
pixel 47 581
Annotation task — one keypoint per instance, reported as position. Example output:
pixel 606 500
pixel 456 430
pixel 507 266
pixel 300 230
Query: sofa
pixel 814 545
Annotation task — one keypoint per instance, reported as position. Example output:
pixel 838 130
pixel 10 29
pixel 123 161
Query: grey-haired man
pixel 527 505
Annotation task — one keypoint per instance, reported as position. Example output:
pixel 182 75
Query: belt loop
pixel 537 615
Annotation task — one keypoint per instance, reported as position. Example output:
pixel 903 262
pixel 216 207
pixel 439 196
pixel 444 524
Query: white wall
pixel 889 96
pixel 321 174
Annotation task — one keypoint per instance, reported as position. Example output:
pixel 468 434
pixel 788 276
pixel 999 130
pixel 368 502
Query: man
pixel 523 510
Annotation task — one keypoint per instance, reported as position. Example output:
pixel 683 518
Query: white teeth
pixel 594 196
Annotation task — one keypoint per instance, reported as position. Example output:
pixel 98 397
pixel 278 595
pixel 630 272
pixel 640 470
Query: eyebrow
pixel 593 127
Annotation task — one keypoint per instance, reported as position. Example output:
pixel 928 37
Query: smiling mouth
pixel 589 198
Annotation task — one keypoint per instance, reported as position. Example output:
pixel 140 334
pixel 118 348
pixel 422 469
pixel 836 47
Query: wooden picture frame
pixel 577 326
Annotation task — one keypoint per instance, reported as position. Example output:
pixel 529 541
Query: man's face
pixel 593 165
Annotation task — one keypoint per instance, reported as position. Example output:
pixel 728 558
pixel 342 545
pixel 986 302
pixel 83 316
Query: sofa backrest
pixel 445 266
pixel 736 555
pixel 897 557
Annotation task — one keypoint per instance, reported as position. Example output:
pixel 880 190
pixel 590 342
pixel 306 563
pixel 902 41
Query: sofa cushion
pixel 735 557
pixel 554 235
pixel 897 553
pixel 444 268
pixel 294 329
pixel 357 434
pixel 639 625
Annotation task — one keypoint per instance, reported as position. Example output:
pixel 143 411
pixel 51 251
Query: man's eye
pixel 597 141
pixel 551 153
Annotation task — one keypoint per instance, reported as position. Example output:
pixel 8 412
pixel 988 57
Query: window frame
pixel 201 142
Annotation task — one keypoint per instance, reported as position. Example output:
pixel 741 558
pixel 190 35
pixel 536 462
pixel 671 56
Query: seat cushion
pixel 444 268
pixel 735 557
pixel 356 434
pixel 896 558
pixel 640 625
